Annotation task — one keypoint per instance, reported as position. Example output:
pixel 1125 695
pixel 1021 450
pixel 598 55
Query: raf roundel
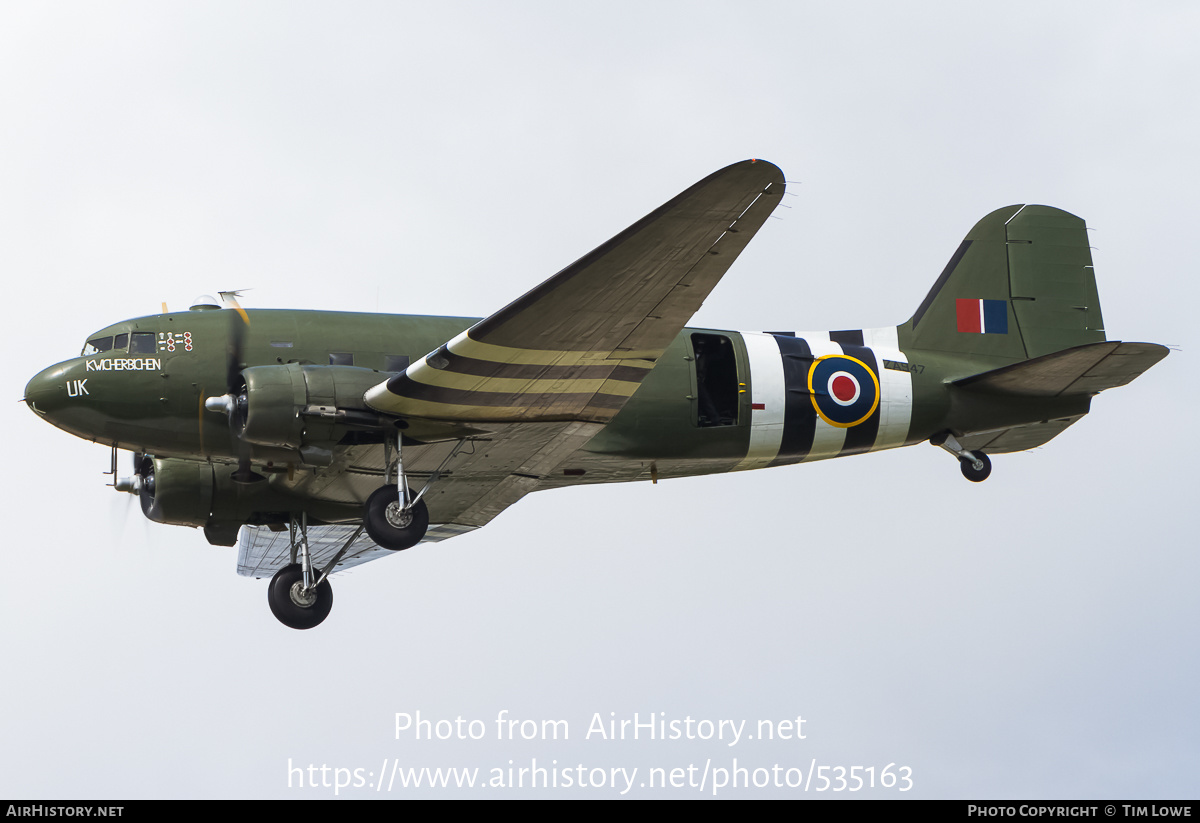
pixel 845 391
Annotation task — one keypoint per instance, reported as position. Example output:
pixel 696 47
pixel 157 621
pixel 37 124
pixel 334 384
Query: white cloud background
pixel 1033 636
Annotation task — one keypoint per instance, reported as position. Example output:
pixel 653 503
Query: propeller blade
pixel 233 403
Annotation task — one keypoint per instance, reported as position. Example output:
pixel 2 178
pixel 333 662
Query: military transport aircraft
pixel 317 441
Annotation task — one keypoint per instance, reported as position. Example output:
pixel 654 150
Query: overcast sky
pixel 1032 636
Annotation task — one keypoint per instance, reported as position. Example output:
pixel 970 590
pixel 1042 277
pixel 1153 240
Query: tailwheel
pixel 976 470
pixel 392 525
pixel 295 606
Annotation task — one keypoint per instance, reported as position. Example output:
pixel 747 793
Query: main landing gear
pixel 976 466
pixel 391 522
pixel 394 517
pixel 296 605
pixel 300 596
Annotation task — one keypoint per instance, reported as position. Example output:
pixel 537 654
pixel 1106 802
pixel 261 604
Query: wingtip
pixel 759 163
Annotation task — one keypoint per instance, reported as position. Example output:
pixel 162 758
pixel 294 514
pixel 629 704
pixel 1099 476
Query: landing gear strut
pixel 300 595
pixel 976 466
pixel 394 517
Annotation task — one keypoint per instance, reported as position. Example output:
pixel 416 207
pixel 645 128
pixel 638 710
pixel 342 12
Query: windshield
pixel 97 345
pixel 139 342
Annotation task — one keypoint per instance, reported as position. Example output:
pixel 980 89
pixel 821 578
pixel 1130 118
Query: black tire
pixel 388 533
pixel 973 474
pixel 285 606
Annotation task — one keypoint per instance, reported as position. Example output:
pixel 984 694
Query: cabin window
pixel 395 362
pixel 142 343
pixel 97 345
pixel 716 380
pixel 121 341
pixel 341 359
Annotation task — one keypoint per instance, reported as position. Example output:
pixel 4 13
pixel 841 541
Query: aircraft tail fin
pixel 1019 286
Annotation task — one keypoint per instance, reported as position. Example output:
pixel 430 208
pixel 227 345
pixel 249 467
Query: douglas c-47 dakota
pixel 316 441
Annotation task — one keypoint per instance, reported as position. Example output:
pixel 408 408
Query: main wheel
pixel 292 605
pixel 391 527
pixel 973 474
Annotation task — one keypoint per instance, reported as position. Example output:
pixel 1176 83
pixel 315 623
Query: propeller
pixel 142 477
pixel 235 402
pixel 140 484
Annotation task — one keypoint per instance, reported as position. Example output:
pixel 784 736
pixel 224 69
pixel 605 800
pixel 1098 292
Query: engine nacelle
pixel 274 397
pixel 179 492
pixel 305 408
pixel 204 495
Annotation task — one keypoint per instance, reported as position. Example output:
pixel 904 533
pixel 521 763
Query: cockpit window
pixel 97 345
pixel 143 343
pixel 139 342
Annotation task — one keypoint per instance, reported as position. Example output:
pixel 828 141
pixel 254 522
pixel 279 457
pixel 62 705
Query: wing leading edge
pixel 577 346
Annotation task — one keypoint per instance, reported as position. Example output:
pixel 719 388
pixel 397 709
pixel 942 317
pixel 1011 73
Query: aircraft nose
pixel 47 391
pixel 60 396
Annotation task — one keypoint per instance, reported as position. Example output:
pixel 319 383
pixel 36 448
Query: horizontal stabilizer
pixel 1083 370
pixel 1017 438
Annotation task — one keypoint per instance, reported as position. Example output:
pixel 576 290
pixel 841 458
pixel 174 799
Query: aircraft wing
pixel 577 346
pixel 509 401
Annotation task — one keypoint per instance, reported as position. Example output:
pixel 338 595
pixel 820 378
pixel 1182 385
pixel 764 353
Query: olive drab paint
pixel 320 440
